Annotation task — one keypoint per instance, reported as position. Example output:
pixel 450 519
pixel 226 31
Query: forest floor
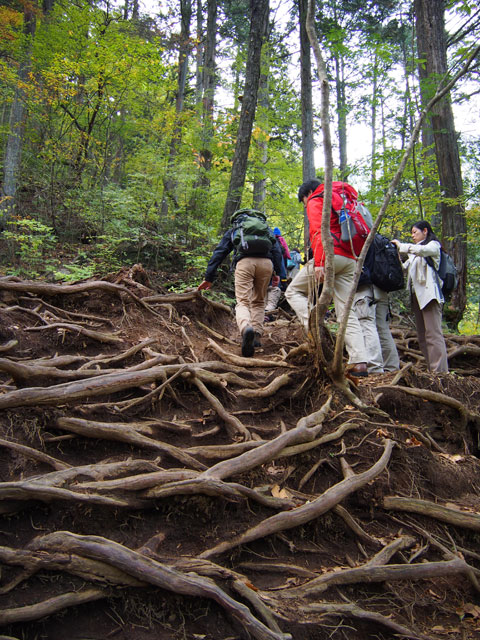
pixel 155 484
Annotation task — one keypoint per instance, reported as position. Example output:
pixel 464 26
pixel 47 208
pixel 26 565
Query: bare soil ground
pixel 155 484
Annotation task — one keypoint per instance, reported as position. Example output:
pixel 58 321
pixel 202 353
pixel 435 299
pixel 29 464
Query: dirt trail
pixel 155 484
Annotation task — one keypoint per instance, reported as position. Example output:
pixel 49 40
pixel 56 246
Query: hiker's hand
pixel 204 285
pixel 275 281
pixel 319 274
pixel 396 242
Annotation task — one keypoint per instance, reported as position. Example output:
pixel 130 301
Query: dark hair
pixel 422 225
pixel 307 187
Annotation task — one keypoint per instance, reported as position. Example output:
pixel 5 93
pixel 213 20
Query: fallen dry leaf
pixel 280 493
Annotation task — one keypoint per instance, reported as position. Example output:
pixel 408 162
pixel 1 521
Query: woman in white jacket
pixel 426 293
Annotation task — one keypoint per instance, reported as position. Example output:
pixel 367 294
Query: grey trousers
pixel 430 334
pixel 366 310
pixel 391 361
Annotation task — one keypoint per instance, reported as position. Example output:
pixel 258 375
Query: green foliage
pixel 74 272
pixel 28 242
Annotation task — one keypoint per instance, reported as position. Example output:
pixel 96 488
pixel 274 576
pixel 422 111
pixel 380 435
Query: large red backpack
pixel 354 229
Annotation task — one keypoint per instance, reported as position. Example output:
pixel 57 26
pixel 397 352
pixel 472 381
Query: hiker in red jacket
pixel 297 294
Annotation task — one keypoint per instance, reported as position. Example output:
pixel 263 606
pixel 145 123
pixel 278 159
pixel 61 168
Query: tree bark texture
pixel 260 183
pixel 308 144
pixel 170 182
pixel 432 47
pixel 206 84
pixel 13 149
pixel 258 25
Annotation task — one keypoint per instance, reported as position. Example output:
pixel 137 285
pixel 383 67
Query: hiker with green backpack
pixel 257 257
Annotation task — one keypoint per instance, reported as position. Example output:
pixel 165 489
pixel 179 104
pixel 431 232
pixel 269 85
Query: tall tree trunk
pixel 308 142
pixel 260 182
pixel 199 57
pixel 373 165
pixel 431 44
pixel 341 115
pixel 208 84
pixel 130 6
pixel 13 148
pixel 259 10
pixel 342 108
pixel 308 145
pixel 169 181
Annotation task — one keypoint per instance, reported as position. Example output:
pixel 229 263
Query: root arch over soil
pixel 154 483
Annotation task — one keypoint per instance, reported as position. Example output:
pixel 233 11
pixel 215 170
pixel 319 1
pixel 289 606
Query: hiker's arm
pixel 431 249
pixel 221 251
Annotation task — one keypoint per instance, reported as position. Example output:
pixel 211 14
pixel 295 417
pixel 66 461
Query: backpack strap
pixel 429 261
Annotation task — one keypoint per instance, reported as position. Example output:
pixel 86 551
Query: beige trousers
pixel 430 334
pixel 297 296
pixel 252 276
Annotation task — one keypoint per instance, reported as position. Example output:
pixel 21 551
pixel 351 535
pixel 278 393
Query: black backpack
pixel 382 266
pixel 251 234
pixel 447 272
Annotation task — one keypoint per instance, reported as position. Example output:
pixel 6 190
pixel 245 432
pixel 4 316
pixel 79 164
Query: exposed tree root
pixel 351 610
pixel 52 605
pixel 465 414
pixel 34 454
pixel 124 433
pixel 307 512
pixel 270 390
pixel 153 572
pixel 380 573
pixel 246 362
pixel 450 514
pixel 43 288
pixel 274 438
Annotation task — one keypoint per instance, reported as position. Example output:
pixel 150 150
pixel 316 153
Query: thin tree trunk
pixel 373 166
pixel 199 57
pixel 327 241
pixel 308 143
pixel 258 27
pixel 208 84
pixel 170 181
pixel 341 115
pixel 260 183
pixel 13 149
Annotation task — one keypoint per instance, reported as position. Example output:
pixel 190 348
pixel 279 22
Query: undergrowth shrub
pixel 28 243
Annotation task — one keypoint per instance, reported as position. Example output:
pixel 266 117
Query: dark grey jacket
pixel 225 246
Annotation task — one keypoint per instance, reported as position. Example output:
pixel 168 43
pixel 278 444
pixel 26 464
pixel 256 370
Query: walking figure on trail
pixel 311 194
pixel 257 257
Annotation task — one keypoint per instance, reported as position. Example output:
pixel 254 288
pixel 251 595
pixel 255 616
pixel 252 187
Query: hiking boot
pixel 358 370
pixel 248 342
pixel 256 342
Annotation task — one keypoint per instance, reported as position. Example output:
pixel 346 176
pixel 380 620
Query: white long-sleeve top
pixel 421 278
